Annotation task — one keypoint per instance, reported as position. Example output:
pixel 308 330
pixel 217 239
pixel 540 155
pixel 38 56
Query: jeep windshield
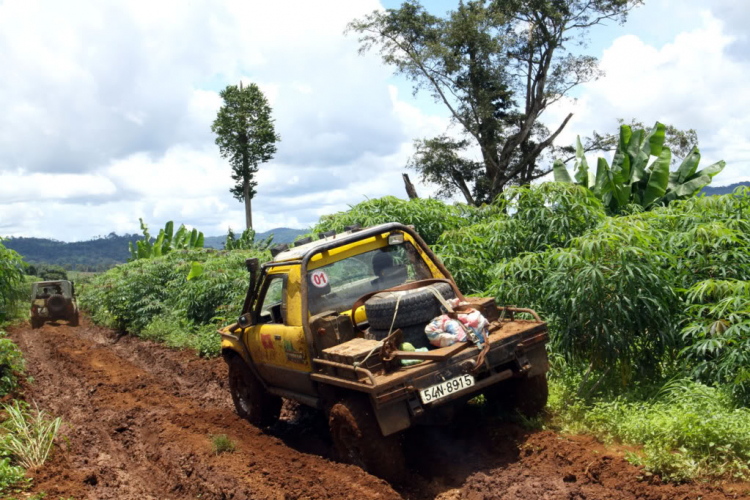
pixel 336 286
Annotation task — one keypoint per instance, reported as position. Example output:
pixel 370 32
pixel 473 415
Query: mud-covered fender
pixel 231 344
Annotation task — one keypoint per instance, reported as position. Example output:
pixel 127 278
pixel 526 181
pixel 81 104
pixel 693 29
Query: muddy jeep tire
pixel 358 441
pixel 56 305
pixel 251 400
pixel 528 395
pixel 415 307
pixel 74 319
pixel 36 323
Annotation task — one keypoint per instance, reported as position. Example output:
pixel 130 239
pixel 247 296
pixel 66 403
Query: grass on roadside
pixel 687 430
pixel 28 435
pixel 177 333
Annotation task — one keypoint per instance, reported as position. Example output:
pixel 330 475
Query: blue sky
pixel 106 107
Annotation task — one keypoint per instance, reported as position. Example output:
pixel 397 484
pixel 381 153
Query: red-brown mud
pixel 138 420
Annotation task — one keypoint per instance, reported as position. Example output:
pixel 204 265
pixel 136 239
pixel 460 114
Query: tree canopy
pixel 496 66
pixel 246 137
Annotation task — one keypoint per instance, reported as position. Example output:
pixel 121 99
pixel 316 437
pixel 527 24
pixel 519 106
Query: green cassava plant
pixel 12 271
pixel 717 334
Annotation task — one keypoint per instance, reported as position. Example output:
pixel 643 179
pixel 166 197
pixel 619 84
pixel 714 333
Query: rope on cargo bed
pixel 440 298
pixel 390 332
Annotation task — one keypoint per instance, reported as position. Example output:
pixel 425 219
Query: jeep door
pixel 276 340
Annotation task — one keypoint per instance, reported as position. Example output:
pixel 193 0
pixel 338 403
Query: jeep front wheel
pixel 358 440
pixel 252 401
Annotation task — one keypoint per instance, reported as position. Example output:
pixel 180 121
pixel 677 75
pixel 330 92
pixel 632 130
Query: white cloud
pixel 692 82
pixel 41 187
pixel 107 108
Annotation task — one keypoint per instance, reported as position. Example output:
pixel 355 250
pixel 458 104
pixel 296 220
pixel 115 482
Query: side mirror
pixel 244 320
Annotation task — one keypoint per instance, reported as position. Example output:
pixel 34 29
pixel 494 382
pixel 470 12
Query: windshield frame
pixel 435 265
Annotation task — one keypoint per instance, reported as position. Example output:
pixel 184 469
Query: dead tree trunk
pixel 410 189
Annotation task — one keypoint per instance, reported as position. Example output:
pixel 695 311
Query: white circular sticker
pixel 319 278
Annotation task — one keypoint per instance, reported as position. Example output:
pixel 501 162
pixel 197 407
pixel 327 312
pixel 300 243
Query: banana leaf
pixel 713 169
pixel 179 237
pixel 654 142
pixel 622 193
pixel 199 241
pixel 621 161
pixel 158 246
pixel 639 153
pixel 686 169
pixel 603 182
pixel 584 176
pixel 658 181
pixel 692 186
pixel 560 172
pixel 196 271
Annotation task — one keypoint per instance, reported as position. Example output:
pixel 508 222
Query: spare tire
pixel 414 335
pixel 56 305
pixel 415 306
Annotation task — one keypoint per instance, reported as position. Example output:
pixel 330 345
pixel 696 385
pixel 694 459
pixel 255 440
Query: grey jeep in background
pixel 52 301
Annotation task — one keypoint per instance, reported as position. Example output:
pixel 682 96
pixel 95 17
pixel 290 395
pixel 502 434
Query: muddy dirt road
pixel 138 420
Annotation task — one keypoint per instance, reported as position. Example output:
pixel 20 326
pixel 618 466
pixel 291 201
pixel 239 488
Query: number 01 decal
pixel 319 278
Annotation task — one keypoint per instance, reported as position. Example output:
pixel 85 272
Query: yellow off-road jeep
pixel 339 324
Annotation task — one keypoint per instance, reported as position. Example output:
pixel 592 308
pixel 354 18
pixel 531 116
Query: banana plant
pixel 246 241
pixel 165 242
pixel 634 178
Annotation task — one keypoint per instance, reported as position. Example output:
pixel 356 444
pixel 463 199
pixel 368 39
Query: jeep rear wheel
pixel 252 401
pixel 528 395
pixel 358 440
pixel 74 319
pixel 36 323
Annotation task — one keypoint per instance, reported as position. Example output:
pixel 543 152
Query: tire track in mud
pixel 138 420
pixel 139 416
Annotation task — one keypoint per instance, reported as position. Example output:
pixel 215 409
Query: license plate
pixel 444 389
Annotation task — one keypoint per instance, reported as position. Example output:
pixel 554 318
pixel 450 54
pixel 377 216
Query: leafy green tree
pixel 50 272
pixel 439 161
pixel 246 137
pixel 496 66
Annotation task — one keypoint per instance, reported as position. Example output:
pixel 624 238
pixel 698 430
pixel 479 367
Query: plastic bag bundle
pixel 469 325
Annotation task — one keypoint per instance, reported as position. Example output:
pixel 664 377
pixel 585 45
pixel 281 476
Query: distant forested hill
pixel 280 235
pixel 98 254
pixel 712 190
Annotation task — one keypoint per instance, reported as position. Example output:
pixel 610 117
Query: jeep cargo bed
pixel 508 339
